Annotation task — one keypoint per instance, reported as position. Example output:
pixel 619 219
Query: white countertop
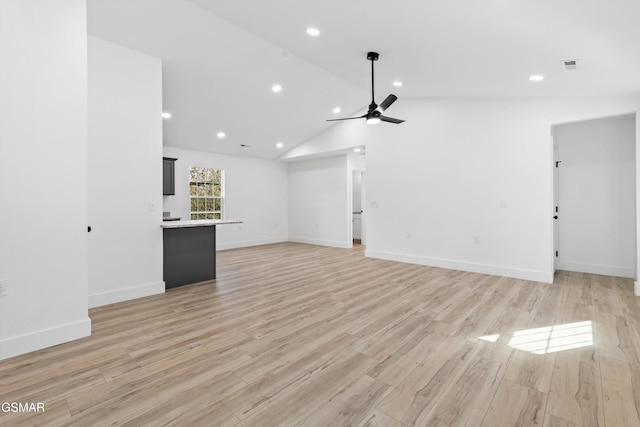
pixel 198 223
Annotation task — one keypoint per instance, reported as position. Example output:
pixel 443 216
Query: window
pixel 206 191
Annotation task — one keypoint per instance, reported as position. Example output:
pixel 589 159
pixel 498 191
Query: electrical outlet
pixel 3 288
pixel 476 240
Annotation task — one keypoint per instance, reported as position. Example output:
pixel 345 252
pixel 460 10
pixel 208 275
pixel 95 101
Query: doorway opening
pixel 594 194
pixel 357 195
pixel 357 190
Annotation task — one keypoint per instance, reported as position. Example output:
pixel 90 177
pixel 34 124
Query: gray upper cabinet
pixel 168 176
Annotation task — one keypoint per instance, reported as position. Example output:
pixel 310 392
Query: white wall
pixel 597 210
pixel 255 193
pixel 460 168
pixel 125 173
pixel 320 202
pixel 43 174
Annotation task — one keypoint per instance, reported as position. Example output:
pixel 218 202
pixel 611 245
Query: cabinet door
pixel 168 176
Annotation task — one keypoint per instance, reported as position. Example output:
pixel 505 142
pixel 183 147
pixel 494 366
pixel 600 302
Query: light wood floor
pixel 294 334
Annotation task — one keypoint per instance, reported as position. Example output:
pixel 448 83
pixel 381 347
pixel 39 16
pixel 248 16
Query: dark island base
pixel 189 255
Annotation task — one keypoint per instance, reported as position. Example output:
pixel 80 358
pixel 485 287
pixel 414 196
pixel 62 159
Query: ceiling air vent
pixel 570 64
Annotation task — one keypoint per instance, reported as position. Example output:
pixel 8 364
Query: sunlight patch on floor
pixel 490 338
pixel 550 339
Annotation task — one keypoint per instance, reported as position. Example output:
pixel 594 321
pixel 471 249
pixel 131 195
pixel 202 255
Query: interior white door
pixel 556 201
pixel 363 204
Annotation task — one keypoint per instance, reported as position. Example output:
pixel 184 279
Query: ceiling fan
pixel 374 115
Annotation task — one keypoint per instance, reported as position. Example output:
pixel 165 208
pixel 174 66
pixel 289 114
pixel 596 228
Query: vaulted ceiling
pixel 222 57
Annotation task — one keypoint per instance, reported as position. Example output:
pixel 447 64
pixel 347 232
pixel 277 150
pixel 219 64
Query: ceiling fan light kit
pixel 374 115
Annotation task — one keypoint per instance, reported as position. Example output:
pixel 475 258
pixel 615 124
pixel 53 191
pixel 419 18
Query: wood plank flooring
pixel 294 334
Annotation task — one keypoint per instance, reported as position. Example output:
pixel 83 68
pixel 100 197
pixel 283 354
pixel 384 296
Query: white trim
pixel 606 270
pixel 33 341
pixel 636 288
pixel 538 276
pixel 247 243
pixel 330 243
pixel 125 294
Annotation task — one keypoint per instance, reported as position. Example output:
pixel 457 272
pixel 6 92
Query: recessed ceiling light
pixel 221 135
pixel 336 110
pixel 276 88
pixel 279 145
pixel 313 31
pixel 397 83
pixel 536 78
pixel 166 115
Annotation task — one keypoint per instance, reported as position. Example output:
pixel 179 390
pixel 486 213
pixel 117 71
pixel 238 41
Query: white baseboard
pixel 605 270
pixel 636 288
pixel 319 242
pixel 125 294
pixel 538 276
pixel 15 346
pixel 248 243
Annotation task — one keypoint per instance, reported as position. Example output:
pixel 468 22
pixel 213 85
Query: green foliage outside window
pixel 206 191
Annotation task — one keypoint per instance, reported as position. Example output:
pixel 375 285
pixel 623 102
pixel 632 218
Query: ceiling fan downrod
pixel 372 56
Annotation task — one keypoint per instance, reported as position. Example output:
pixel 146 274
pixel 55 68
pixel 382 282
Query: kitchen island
pixel 189 249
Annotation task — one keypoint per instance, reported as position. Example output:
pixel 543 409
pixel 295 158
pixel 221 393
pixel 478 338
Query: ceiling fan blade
pixel 391 120
pixel 387 102
pixel 347 118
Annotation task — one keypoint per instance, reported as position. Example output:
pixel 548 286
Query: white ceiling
pixel 221 57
